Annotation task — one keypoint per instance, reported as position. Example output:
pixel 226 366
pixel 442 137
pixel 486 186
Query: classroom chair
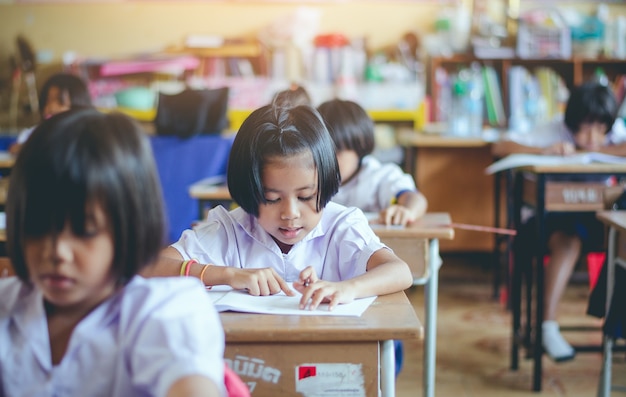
pixel 23 73
pixel 182 162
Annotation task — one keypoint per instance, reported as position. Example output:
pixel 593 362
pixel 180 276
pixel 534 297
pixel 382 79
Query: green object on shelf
pixel 138 98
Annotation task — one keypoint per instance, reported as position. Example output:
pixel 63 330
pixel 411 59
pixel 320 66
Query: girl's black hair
pixel 295 95
pixel 70 86
pixel 590 102
pixel 272 131
pixel 349 125
pixel 79 159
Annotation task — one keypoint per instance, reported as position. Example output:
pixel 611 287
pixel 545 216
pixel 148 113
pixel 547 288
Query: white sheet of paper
pixel 241 301
pixel 521 160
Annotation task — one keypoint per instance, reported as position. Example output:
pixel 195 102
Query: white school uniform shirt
pixel 338 247
pixel 137 343
pixel 375 186
pixel 555 131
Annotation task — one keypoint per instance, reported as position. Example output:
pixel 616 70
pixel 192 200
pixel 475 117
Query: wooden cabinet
pixel 573 71
pixel 450 172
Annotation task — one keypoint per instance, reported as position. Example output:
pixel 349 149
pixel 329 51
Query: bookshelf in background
pixel 573 71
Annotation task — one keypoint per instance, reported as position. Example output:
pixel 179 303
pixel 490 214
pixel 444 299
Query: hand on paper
pixel 560 148
pixel 259 281
pixel 315 291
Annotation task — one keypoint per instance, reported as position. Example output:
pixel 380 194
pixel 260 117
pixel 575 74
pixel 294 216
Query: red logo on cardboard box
pixel 306 371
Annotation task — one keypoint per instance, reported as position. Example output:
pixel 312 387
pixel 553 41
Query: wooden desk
pixel 274 354
pixel 418 245
pixel 616 256
pixel 450 172
pixel 209 196
pixel 533 186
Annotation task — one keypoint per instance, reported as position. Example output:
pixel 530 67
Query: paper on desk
pixel 240 301
pixel 522 160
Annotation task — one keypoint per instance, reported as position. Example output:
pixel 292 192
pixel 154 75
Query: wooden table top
pixel 389 317
pixel 576 168
pixel 431 225
pixel 616 219
pixel 416 139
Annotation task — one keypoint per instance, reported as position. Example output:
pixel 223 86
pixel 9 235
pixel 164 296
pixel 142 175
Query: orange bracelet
pixel 202 276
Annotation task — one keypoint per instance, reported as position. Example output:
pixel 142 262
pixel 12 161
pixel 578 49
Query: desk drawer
pixel 568 196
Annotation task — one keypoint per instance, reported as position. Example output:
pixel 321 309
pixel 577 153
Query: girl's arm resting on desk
pixel 257 281
pixel 615 150
pixel 194 386
pixel 410 207
pixel 505 148
pixel 386 274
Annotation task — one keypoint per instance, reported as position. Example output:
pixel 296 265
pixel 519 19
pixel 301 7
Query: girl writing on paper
pixel 84 216
pixel 589 124
pixel 283 172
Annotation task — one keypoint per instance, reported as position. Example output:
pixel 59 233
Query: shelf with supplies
pixel 573 71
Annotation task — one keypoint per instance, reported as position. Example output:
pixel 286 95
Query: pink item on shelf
pixel 164 65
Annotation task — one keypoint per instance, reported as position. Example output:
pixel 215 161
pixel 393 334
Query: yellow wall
pixel 104 29
pixel 125 27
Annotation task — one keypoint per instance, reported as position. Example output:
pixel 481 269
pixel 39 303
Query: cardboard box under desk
pixel 572 196
pixel 299 369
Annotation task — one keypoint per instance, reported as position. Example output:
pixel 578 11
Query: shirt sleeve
pixel 210 242
pixel 174 332
pixel 353 242
pixel 394 182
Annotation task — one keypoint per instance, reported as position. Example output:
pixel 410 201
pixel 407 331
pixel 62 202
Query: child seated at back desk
pixel 282 172
pixel 84 216
pixel 365 182
pixel 61 92
pixel 589 125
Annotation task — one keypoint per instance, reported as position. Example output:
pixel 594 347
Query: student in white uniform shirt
pixel 589 125
pixel 282 172
pixel 365 182
pixel 84 215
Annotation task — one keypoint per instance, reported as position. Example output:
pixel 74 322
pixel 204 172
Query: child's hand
pixel 397 215
pixel 315 291
pixel 259 281
pixel 333 293
pixel 306 278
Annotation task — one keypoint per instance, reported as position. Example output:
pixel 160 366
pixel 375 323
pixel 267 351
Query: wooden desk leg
pixel 387 369
pixel 430 328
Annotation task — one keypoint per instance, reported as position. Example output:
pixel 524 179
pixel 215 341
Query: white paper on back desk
pixel 241 301
pixel 523 160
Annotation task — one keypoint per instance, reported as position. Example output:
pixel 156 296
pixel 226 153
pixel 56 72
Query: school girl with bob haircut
pixel 301 133
pixel 283 172
pixel 84 216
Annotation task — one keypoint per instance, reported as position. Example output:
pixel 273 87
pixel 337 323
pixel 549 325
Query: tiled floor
pixel 473 351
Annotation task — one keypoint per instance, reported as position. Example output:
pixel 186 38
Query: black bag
pixel 192 112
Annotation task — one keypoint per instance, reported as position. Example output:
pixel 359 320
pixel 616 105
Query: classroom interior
pixel 404 60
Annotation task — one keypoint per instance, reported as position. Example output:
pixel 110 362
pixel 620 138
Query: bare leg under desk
pixel 564 253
